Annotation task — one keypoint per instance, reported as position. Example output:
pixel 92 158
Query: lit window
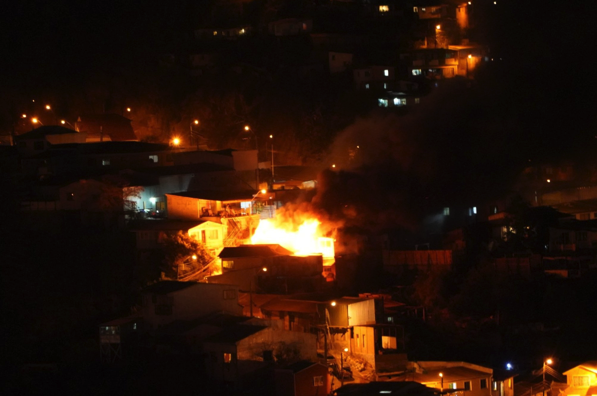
pixel 105 162
pixel 228 263
pixel 415 9
pixel 153 158
pixel 510 382
pixel 396 102
pixel 227 357
pixel 386 72
pixel 417 100
pixel 416 72
pixel 580 381
pixel 366 86
pixel 385 86
pixel 242 31
pixel 474 209
pixel 384 8
pixel 495 385
pixel 403 101
pixel 452 385
pixel 318 380
pixel 446 211
pixel 382 102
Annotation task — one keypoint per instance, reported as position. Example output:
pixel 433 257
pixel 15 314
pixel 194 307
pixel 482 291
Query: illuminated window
pixel 452 385
pixel 388 342
pixel 483 383
pixel 366 86
pixel 153 158
pixel 415 9
pixel 228 263
pixel 215 33
pixel 385 86
pixel 417 100
pixel 467 385
pixel 396 102
pixel 386 72
pixel 403 101
pixel 495 385
pixel 318 380
pixel 446 211
pixel 384 8
pixel 510 383
pixel 105 162
pixel 227 358
pixel 580 381
pixel 382 102
pixel 416 72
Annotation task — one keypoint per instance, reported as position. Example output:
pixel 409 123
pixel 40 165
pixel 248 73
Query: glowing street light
pixel 194 257
pixel 128 109
pixel 264 269
pixel 35 120
pixel 272 137
pixel 342 366
pixel 333 304
pixel 546 362
pixel 441 376
pixel 176 141
pixel 23 115
pixel 48 107
pixel 438 27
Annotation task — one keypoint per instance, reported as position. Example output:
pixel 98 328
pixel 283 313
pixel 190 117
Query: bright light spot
pixel 176 141
pixel 34 120
pixel 24 115
pixel 48 107
pixel 271 136
pixel 196 122
pixel 153 200
pixel 263 191
pixel 264 269
pixel 333 165
pixel 358 146
pixel 301 238
pixel 508 366
pixel 345 349
pixel 495 2
pixel 128 109
pixel 333 304
pixel 441 374
pixel 549 361
pixel 247 127
pixel 62 122
pixel 469 3
pixel 438 27
pixel 549 180
pixel 194 257
pixel 470 56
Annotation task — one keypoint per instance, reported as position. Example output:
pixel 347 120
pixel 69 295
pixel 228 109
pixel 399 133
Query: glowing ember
pixel 306 239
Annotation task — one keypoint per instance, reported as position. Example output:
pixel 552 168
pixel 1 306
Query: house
pixel 339 61
pixel 455 376
pixel 302 378
pixel 105 127
pixel 581 379
pixel 270 269
pixel 250 347
pixel 290 27
pixel 374 77
pixel 115 336
pixel 148 233
pixel 192 205
pixel 168 301
pixel 40 139
pixel 398 99
pixel 358 324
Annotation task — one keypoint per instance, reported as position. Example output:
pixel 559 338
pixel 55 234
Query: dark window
pixel 38 145
pixel 483 383
pixel 467 385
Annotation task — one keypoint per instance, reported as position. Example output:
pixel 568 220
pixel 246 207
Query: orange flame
pixel 303 240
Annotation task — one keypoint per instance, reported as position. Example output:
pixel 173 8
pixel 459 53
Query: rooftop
pixel 254 251
pixel 43 131
pixel 234 334
pixel 214 195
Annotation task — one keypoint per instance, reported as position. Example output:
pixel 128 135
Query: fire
pixel 303 240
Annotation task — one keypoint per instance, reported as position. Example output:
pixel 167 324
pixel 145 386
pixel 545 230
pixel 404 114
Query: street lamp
pixel 441 379
pixel 48 107
pixel 176 141
pixel 194 122
pixel 545 364
pixel 272 138
pixel 36 120
pixel 342 366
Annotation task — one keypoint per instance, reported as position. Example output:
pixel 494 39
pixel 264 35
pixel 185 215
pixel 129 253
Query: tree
pixel 183 253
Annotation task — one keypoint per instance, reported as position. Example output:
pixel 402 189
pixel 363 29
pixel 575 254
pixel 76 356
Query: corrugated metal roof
pixel 254 251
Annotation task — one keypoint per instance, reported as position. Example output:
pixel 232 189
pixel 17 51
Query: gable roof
pixel 117 127
pixel 165 225
pixel 166 287
pixel 214 195
pixel 590 366
pixel 301 365
pixel 43 131
pixel 268 250
pixel 234 334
